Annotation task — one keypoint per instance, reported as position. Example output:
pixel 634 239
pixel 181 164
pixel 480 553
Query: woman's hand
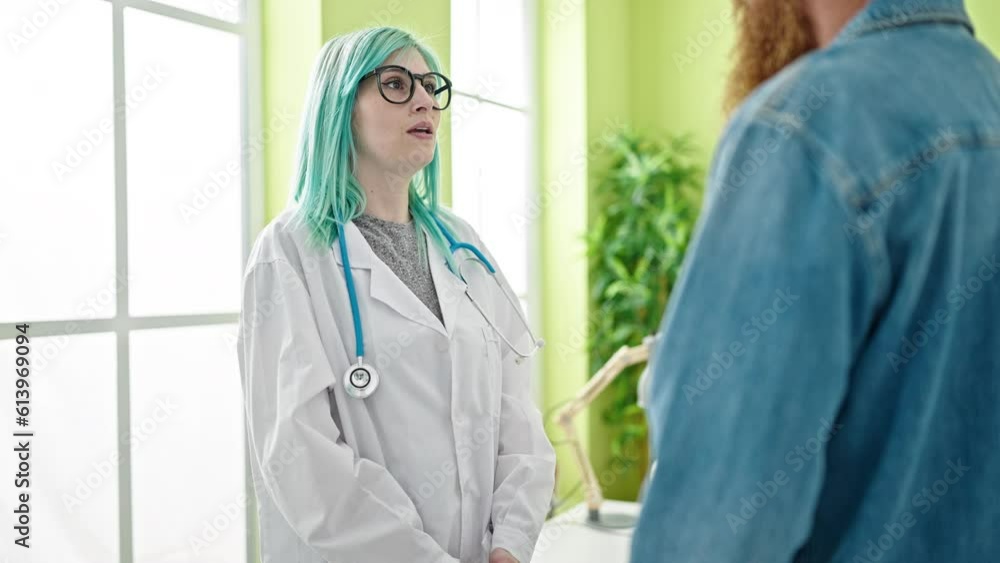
pixel 500 555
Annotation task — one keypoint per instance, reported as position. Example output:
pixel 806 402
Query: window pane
pixel 184 167
pixel 465 46
pixel 503 34
pixel 188 476
pixel 489 56
pixel 491 181
pixel 73 454
pixel 57 222
pixel 228 10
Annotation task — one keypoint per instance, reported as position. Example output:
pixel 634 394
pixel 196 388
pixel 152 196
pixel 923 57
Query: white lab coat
pixel 450 444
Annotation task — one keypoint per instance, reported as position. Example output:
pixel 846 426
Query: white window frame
pixel 252 220
pixel 532 254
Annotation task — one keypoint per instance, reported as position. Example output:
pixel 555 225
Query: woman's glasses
pixel 397 85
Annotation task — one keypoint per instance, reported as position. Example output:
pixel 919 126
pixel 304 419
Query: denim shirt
pixel 827 380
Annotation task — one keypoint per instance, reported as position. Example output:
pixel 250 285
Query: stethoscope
pixel 361 379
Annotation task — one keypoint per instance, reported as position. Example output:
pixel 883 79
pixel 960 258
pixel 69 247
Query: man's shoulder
pixel 858 114
pixel 866 86
pixel 816 84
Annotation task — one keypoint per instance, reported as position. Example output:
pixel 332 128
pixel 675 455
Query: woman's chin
pixel 418 158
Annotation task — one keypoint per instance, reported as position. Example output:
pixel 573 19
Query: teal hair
pixel 324 186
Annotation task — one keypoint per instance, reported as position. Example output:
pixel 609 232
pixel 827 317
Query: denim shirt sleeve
pixel 754 356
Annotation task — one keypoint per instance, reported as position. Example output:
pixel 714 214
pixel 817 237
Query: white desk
pixel 568 539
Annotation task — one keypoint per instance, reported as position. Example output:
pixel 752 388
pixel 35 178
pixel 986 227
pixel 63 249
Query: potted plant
pixel 645 207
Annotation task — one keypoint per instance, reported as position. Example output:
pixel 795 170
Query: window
pixel 129 194
pixel 493 144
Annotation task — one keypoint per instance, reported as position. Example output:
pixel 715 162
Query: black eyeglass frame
pixel 414 78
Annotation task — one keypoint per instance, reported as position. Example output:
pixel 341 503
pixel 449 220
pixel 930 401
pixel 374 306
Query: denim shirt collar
pixel 883 15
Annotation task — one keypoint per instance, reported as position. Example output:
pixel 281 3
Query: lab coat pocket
pixel 493 374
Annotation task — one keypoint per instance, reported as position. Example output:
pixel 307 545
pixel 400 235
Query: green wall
pixel 562 172
pixel 681 50
pixel 605 64
pixel 658 67
pixel 985 16
pixel 290 36
pixel 613 76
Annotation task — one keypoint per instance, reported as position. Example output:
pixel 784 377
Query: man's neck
pixel 828 17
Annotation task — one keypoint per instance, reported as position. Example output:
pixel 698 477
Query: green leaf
pixel 619 268
pixel 645 205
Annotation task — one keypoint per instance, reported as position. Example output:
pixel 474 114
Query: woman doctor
pixel 389 412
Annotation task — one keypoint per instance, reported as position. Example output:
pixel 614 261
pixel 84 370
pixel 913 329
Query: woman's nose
pixel 423 100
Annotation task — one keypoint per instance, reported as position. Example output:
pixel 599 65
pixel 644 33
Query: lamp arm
pixel 621 359
pixel 625 356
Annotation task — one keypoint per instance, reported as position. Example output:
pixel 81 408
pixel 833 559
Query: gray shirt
pixel 397 245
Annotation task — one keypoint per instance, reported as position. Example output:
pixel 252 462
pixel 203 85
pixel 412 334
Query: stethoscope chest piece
pixel 361 380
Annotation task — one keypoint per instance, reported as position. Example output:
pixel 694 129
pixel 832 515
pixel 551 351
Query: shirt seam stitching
pixel 844 186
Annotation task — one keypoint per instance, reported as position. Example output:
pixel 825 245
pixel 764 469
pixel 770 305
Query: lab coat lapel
pixel 385 285
pixel 449 287
pixel 358 250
